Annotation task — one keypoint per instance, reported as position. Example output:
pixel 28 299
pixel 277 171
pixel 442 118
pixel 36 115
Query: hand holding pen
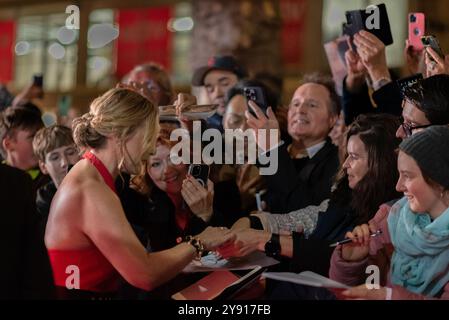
pixel 348 240
pixel 357 242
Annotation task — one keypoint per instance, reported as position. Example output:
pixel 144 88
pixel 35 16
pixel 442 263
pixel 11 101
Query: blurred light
pixel 180 24
pixel 22 48
pixel 56 51
pixel 49 119
pixel 99 63
pixel 66 36
pixel 100 35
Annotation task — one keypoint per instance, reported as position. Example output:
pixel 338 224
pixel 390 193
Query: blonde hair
pixel 51 138
pixel 119 112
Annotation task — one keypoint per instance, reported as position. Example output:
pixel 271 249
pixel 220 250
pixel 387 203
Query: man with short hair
pixel 306 178
pixel 220 75
pixel 425 103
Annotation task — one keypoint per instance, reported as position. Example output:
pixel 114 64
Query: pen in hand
pixel 375 234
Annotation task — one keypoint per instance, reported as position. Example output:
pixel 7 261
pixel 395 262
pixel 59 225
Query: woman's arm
pixel 303 220
pixel 107 227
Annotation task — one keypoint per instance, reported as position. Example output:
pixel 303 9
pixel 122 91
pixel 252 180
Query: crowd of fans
pixel 104 194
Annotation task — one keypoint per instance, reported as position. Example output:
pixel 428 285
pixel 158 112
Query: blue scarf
pixel 420 262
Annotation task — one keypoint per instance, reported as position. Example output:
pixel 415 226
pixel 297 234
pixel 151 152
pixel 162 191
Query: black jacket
pixel 314 253
pixel 299 183
pixel 153 219
pixel 388 99
pixel 25 270
pixel 44 197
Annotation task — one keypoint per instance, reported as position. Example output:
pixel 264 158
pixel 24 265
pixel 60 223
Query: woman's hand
pixel 363 292
pixel 356 70
pixel 372 54
pixel 359 248
pixel 245 242
pixel 212 238
pixel 242 223
pixel 182 102
pixel 414 59
pixel 266 122
pixel 199 199
pixel 436 64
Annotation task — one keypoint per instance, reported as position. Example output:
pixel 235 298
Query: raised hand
pixel 198 198
pixel 436 64
pixel 372 54
pixel 263 126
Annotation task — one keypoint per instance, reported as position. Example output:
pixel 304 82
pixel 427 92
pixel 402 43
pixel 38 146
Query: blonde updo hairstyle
pixel 117 113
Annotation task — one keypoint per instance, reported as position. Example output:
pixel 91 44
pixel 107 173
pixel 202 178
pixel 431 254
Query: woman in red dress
pixel 88 238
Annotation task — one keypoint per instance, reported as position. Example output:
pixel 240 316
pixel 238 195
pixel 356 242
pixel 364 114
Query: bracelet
pixel 197 244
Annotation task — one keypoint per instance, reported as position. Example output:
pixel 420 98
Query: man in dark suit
pixel 303 178
pixel 25 271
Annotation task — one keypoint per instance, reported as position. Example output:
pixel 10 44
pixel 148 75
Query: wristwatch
pixel 273 246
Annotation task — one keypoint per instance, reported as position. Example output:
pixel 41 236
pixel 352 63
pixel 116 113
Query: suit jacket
pixel 25 271
pixel 303 182
pixel 388 100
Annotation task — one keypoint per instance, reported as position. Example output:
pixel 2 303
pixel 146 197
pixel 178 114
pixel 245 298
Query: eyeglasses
pixel 408 128
pixel 152 86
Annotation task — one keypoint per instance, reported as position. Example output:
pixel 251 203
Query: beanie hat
pixel 430 150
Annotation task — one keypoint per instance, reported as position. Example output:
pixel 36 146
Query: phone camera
pixel 195 170
pixel 412 18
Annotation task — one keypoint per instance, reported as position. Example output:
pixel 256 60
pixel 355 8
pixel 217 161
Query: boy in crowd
pixel 56 152
pixel 18 125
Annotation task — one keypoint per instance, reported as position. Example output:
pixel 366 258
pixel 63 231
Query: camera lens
pixel 195 170
pixel 412 18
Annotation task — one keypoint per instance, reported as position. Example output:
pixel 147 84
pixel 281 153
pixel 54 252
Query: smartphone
pixel 356 20
pixel 416 29
pixel 38 80
pixel 257 95
pixel 200 172
pixel 431 41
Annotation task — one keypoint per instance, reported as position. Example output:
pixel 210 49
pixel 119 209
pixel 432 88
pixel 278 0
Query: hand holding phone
pixel 432 42
pixel 416 30
pixel 199 196
pixel 38 80
pixel 357 20
pixel 200 172
pixel 257 95
pixel 36 90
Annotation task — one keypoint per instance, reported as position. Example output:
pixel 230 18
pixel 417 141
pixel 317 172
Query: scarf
pixel 420 262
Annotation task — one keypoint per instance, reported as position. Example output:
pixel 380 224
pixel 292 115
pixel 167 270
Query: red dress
pixel 96 273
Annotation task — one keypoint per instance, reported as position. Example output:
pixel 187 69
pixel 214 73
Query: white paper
pixel 307 278
pixel 211 263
